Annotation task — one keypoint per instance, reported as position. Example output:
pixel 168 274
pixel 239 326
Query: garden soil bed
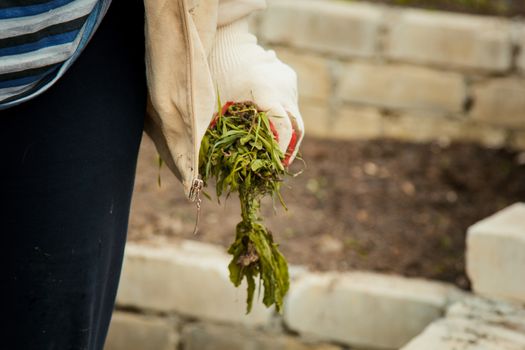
pixel 382 205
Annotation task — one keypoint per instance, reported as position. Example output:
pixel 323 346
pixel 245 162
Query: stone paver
pixel 220 337
pixel 137 332
pixel 462 334
pixel 499 313
pixel 496 254
pixel 190 278
pixel 364 309
pixel 475 324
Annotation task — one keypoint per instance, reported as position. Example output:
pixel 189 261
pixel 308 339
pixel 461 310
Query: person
pixel 80 80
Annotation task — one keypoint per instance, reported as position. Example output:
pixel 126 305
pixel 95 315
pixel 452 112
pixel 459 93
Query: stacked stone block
pixel 441 75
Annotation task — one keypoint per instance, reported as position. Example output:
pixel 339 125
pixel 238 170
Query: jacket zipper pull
pixel 195 196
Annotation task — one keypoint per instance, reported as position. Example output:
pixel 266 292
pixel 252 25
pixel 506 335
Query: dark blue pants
pixel 67 167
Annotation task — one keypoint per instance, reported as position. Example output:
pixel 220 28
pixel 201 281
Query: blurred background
pixel 415 130
pixel 509 8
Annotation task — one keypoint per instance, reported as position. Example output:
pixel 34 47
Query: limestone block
pixel 500 102
pixel 521 59
pixel 447 39
pixel 519 41
pixel 402 87
pixel 332 27
pixel 495 254
pixel 425 128
pixel 494 312
pixel 314 82
pixel 354 123
pixel 220 337
pixel 518 140
pixel 190 278
pixel 450 334
pixel 364 309
pixel 137 332
pixel 316 118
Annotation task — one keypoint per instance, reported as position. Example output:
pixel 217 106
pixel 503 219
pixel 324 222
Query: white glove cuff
pixel 232 42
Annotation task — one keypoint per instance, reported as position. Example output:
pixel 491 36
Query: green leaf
pixel 245 139
pixel 257 144
pixel 256 165
pixel 250 292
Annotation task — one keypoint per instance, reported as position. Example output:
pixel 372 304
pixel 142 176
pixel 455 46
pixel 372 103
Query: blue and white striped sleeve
pixel 39 40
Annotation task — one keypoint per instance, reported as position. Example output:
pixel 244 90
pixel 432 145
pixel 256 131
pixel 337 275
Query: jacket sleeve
pixel 232 10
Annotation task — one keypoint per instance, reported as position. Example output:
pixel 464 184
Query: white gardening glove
pixel 244 71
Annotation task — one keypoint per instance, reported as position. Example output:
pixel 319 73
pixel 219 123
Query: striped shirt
pixel 39 40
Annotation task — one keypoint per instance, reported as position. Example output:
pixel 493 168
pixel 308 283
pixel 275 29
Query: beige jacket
pixel 179 36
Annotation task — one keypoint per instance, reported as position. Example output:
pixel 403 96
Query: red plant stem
pixel 274 131
pixel 291 148
pixel 224 109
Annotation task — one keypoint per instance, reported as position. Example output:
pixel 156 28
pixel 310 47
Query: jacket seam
pixel 189 56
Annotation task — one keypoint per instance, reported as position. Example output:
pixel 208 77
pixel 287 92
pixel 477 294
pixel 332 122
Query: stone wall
pixel 369 71
pixel 177 295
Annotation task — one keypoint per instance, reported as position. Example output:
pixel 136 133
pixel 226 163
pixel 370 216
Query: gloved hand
pixel 244 71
